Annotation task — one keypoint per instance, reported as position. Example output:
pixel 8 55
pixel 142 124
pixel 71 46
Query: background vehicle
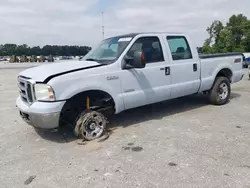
pixel 246 60
pixel 123 72
pixel 249 72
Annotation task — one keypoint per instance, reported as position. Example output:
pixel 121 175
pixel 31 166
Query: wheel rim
pixel 92 125
pixel 223 91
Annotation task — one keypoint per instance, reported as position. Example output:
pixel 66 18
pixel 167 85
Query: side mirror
pixel 137 61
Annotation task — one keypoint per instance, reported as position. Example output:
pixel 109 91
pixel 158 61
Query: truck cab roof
pixel 141 33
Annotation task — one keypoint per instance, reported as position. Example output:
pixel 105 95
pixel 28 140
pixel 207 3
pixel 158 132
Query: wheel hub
pixel 223 91
pixel 91 125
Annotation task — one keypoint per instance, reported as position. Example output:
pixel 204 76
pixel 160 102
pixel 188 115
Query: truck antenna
pixel 102 26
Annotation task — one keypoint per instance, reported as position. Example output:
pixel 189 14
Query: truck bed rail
pixel 206 56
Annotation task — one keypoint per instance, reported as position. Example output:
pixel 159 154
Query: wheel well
pixel 93 99
pixel 226 73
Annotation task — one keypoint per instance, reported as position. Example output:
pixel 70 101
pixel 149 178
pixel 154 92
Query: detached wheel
pixel 90 125
pixel 220 92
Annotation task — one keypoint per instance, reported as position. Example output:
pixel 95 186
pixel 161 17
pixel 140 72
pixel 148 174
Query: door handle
pixel 195 67
pixel 167 71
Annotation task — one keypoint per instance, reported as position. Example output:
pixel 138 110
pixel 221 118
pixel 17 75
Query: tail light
pixel 237 60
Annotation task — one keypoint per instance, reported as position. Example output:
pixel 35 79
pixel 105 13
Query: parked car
pixel 249 72
pixel 123 72
pixel 50 58
pixel 246 60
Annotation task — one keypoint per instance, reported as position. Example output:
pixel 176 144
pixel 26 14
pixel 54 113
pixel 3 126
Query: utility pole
pixel 102 26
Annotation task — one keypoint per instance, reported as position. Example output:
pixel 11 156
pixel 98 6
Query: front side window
pixel 150 47
pixel 108 50
pixel 179 48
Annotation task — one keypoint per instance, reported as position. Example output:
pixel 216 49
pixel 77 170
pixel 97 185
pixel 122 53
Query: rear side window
pixel 151 48
pixel 179 48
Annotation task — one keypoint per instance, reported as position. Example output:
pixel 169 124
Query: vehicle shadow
pixel 235 95
pixel 158 111
pixel 137 116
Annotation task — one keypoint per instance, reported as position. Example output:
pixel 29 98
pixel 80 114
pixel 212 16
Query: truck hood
pixel 47 71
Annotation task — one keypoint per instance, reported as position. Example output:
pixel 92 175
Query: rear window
pixel 179 48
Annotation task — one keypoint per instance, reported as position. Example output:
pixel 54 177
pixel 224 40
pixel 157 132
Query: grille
pixel 25 90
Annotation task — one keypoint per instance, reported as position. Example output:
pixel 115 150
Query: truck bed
pixel 211 64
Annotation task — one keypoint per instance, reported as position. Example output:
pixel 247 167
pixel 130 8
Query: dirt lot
pixel 180 143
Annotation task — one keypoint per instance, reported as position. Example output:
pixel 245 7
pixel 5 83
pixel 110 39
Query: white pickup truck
pixel 122 73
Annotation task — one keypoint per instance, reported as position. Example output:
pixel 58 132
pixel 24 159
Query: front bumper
pixel 44 115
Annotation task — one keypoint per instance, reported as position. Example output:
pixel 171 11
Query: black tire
pixel 215 93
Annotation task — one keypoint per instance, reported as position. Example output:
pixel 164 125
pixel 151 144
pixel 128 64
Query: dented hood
pixel 45 72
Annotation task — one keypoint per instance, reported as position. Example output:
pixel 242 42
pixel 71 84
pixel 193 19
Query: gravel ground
pixel 179 143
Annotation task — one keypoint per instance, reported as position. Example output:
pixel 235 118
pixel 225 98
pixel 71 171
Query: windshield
pixel 108 50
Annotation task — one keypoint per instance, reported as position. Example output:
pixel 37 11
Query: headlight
pixel 44 92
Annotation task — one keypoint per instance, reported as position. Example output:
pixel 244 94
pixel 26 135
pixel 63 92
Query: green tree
pixel 225 42
pixel 237 24
pixel 19 50
pixel 36 50
pixel 207 49
pixel 246 41
pixel 234 37
pixel 214 32
pixel 1 50
pixel 9 49
pixel 22 50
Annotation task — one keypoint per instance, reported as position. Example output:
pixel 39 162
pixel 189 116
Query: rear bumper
pixel 40 114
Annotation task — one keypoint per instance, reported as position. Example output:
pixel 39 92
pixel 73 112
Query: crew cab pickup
pixel 123 72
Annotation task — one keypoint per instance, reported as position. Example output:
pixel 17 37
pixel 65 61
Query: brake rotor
pixel 90 125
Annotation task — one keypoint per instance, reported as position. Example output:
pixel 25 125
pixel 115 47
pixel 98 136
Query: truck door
pixel 185 67
pixel 150 84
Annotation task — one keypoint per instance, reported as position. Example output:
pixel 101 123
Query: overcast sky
pixel 40 22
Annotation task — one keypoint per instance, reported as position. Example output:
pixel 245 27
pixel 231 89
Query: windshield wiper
pixel 92 59
pixel 97 60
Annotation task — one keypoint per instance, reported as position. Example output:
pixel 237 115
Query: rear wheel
pixel 220 92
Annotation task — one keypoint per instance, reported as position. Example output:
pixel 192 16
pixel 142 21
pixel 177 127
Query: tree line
pixel 234 36
pixel 54 50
